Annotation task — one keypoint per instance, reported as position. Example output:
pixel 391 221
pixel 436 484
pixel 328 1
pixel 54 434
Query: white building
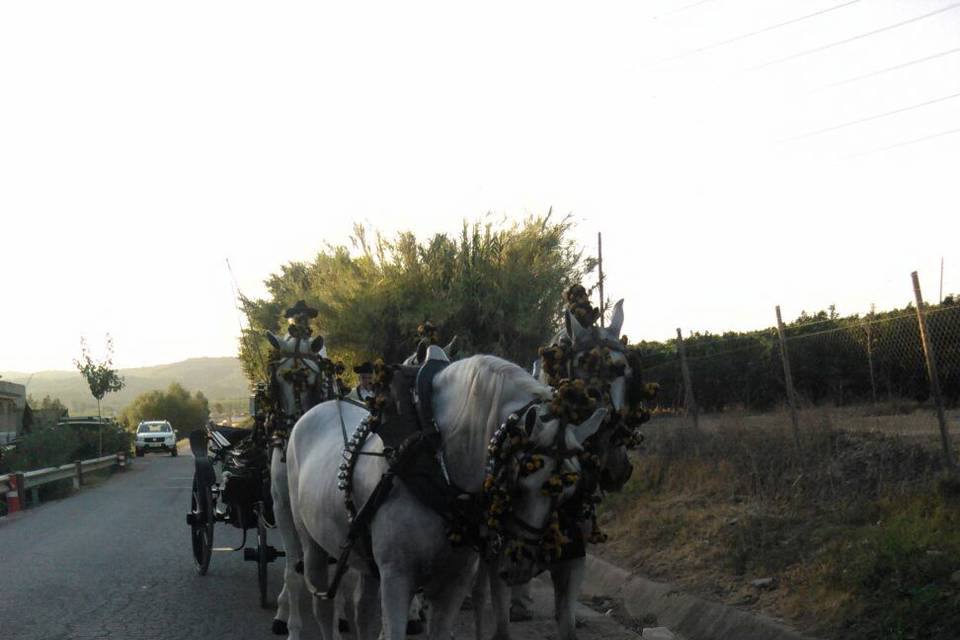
pixel 13 401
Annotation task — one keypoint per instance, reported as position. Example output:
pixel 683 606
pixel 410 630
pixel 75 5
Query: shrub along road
pixel 113 561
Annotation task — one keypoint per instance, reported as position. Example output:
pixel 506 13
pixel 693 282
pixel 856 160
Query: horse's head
pixel 296 373
pixel 539 475
pixel 600 358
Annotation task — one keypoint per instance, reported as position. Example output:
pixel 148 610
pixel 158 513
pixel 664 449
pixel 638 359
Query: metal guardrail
pixel 14 486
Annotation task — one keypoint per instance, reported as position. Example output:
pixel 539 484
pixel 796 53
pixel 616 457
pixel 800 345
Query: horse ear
pixel 531 421
pixel 616 320
pixel 273 340
pixel 316 344
pixel 589 427
pixel 447 349
pixel 574 328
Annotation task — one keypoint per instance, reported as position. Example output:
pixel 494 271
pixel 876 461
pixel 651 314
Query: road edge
pixel 692 617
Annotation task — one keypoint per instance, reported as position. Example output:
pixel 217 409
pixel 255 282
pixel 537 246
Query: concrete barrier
pixel 692 617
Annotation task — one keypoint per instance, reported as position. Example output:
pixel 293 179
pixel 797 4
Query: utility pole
pixel 788 379
pixel 873 382
pixel 941 279
pixel 689 401
pixel 600 269
pixel 931 359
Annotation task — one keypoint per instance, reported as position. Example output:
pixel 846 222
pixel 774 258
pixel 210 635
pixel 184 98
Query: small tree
pixel 100 376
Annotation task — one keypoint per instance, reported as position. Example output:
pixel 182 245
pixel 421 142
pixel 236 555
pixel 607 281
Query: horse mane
pixel 472 399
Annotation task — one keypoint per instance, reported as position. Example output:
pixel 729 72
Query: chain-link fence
pixel 861 372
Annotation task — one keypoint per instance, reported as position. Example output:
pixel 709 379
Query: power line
pixel 750 34
pixel 682 9
pixel 877 116
pixel 857 37
pixel 906 143
pixel 894 68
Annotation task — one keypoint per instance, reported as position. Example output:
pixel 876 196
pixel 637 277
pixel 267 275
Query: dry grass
pixel 844 526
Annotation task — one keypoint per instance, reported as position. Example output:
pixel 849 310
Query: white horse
pixel 297 384
pixel 296 394
pixel 408 542
pixel 614 465
pixel 614 470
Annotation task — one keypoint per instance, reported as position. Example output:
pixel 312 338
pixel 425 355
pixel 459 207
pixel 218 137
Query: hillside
pixel 220 379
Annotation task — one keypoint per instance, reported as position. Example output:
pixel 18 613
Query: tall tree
pixel 176 405
pixel 101 377
pixel 497 287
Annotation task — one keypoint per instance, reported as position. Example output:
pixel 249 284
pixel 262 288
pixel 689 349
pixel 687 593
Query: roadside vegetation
pixel 49 445
pixel 54 446
pixel 854 535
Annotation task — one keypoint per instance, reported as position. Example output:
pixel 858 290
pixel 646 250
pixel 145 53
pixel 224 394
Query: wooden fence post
pixel 689 402
pixel 873 382
pixel 77 474
pixel 931 359
pixel 788 379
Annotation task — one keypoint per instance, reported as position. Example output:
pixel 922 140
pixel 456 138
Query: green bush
pixel 88 442
pixel 42 448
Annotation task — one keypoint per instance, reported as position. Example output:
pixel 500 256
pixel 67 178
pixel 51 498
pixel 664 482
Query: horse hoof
pixel 414 627
pixel 279 627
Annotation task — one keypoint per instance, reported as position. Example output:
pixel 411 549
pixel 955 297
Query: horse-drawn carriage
pixel 232 475
pixel 521 494
pixel 231 485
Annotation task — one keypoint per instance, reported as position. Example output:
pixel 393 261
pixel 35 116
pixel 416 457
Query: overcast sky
pixel 736 154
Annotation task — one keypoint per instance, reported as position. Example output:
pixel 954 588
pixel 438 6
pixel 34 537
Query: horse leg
pixel 445 593
pixel 479 597
pixel 415 615
pixel 283 609
pixel 396 591
pixel 520 601
pixel 366 620
pixel 567 579
pixel 315 570
pixel 279 490
pixel 293 584
pixel 500 597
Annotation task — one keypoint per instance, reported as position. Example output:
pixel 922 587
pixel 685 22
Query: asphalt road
pixel 113 561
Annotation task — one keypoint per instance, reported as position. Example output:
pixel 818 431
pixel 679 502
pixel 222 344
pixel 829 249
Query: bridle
pixel 304 364
pixel 510 457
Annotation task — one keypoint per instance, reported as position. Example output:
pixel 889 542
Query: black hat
pixel 299 309
pixel 364 367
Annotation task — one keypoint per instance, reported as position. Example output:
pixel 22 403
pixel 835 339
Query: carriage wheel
pixel 201 527
pixel 263 556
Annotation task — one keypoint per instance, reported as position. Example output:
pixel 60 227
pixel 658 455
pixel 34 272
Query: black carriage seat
pixel 226 437
pixel 408 429
pixel 411 391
